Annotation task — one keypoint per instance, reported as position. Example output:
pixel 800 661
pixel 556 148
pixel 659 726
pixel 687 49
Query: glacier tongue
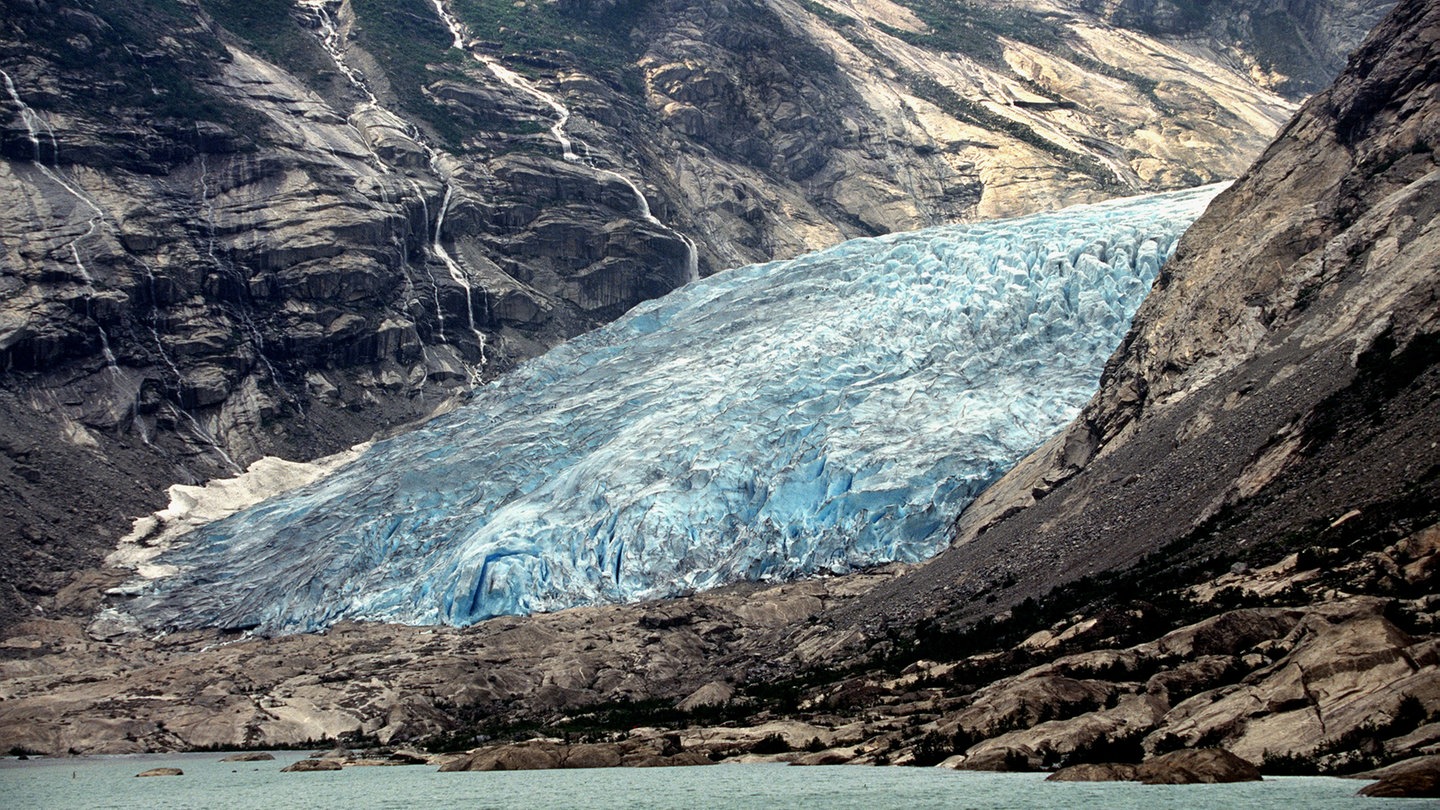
pixel 772 421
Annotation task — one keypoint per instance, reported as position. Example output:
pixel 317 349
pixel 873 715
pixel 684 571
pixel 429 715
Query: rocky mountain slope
pixel 251 228
pixel 1252 490
pixel 1277 384
pixel 1276 395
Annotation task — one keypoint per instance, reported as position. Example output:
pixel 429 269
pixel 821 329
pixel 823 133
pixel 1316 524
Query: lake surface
pixel 109 782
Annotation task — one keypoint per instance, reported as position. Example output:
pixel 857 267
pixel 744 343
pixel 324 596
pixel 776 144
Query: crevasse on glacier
pixel 772 421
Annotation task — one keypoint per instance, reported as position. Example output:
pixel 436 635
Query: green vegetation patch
pixel 974 28
pixel 828 14
pixel 134 55
pixel 273 30
pixel 414 48
pixel 598 39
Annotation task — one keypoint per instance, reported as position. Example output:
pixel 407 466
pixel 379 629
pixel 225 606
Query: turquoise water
pixel 109 782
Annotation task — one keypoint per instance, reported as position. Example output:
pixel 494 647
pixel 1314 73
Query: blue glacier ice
pixel 784 419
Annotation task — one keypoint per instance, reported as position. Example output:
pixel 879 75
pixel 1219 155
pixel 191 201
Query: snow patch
pixel 191 507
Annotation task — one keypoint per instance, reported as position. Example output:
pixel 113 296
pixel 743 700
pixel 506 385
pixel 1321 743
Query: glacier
pixel 779 420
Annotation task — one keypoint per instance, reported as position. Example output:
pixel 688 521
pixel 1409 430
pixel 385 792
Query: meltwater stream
pixel 772 421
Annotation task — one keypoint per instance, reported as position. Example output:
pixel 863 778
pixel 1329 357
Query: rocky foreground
pixel 1321 662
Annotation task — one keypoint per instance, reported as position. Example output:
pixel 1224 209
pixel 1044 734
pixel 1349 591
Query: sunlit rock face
pixel 774 421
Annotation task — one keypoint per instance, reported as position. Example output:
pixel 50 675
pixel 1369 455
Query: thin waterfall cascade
pixel 33 121
pixel 559 132
pixel 240 311
pixel 457 273
pixel 328 33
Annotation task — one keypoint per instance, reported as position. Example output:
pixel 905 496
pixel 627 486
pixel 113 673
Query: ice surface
pixel 773 421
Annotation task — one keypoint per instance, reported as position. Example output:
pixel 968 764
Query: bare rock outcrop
pixel 309 688
pixel 162 772
pixel 1095 772
pixel 1274 384
pixel 1417 778
pixel 312 765
pixel 636 752
pixel 251 756
pixel 1201 766
pixel 1326 686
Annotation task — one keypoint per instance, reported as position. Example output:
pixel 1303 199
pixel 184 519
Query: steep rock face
pixel 250 228
pixel 1296 47
pixel 1279 382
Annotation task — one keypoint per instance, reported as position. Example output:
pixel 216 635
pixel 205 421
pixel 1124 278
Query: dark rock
pixel 1413 779
pixel 1196 766
pixel 162 772
pixel 1417 785
pixel 1304 43
pixel 251 756
pixel 594 755
pixel 1096 772
pixel 529 756
pixel 1188 767
pixel 307 765
pixel 542 755
pixel 689 759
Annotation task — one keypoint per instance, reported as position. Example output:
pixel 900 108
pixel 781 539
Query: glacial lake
pixel 109 782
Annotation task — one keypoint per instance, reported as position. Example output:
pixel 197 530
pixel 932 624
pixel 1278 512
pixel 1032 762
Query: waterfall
pixel 240 312
pixel 31 119
pixel 330 39
pixel 434 284
pixel 458 274
pixel 558 131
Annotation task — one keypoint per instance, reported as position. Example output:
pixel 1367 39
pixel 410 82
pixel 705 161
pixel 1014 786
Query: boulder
pixel 162 772
pixel 249 756
pixel 1412 779
pixel 306 765
pixel 1197 766
pixel 1095 772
